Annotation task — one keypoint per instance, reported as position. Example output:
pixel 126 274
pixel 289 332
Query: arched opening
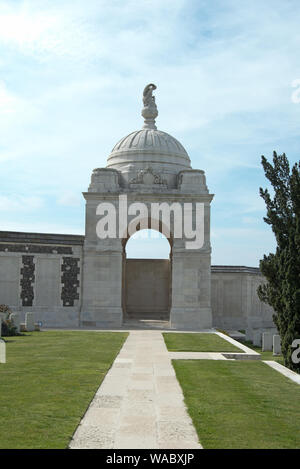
pixel 147 273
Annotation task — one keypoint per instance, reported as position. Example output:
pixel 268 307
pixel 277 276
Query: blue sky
pixel 71 79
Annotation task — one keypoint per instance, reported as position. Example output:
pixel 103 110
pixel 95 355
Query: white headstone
pixel 15 318
pixel 257 338
pixel 2 351
pixel 267 341
pixel 249 334
pixel 29 322
pixel 276 345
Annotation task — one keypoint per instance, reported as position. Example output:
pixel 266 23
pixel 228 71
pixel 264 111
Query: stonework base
pixel 102 318
pixel 191 318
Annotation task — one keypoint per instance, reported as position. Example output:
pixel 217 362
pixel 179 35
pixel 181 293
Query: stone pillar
pixel 190 305
pixel 276 345
pixel 102 287
pixel 267 341
pixel 29 322
pixel 102 267
pixel 2 351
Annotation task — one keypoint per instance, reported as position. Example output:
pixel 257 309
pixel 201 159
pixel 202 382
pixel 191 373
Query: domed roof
pixel 150 140
pixel 149 145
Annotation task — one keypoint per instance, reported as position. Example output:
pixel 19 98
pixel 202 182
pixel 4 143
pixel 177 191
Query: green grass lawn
pixel 48 382
pixel 197 342
pixel 237 404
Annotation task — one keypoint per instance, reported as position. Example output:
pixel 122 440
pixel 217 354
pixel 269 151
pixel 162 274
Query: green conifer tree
pixel 282 269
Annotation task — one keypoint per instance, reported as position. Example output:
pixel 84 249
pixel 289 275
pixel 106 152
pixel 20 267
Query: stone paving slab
pixel 196 356
pixel 139 403
pixel 284 371
pixel 248 351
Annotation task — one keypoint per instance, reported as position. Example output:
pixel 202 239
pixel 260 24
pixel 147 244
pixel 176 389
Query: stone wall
pixel 235 304
pixel 147 288
pixel 42 273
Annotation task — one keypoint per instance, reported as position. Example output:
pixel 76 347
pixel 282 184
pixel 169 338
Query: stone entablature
pixel 35 248
pixel 40 238
pixel 235 269
pixel 148 179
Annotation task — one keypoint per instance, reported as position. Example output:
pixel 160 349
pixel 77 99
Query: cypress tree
pixel 282 268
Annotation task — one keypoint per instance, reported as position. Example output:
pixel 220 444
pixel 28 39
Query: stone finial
pixel 149 111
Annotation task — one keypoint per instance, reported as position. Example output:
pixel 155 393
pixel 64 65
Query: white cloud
pixel 241 245
pixel 8 102
pixel 24 26
pixel 72 75
pixel 70 199
pixel 250 220
pixel 17 203
pixel 39 227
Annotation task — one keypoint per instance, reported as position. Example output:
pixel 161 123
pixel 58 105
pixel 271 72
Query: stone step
pixel 146 324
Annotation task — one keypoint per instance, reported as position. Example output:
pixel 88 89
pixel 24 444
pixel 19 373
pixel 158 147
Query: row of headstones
pixel 28 326
pixel 267 341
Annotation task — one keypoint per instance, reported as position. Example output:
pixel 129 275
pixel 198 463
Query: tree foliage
pixel 282 268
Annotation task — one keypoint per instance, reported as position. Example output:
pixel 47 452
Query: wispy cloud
pixel 17 203
pixel 69 199
pixel 72 74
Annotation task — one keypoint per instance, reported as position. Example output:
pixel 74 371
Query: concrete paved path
pixel 139 403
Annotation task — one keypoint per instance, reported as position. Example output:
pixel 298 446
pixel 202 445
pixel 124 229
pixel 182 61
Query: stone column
pixel 190 306
pixel 102 288
pixel 102 268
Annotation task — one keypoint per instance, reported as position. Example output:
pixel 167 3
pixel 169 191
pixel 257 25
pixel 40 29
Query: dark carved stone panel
pixel 27 271
pixel 36 249
pixel 69 280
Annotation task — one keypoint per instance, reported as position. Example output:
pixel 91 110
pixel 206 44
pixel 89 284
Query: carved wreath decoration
pixel 139 179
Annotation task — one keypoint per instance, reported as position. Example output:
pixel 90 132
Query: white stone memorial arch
pixel 147 167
